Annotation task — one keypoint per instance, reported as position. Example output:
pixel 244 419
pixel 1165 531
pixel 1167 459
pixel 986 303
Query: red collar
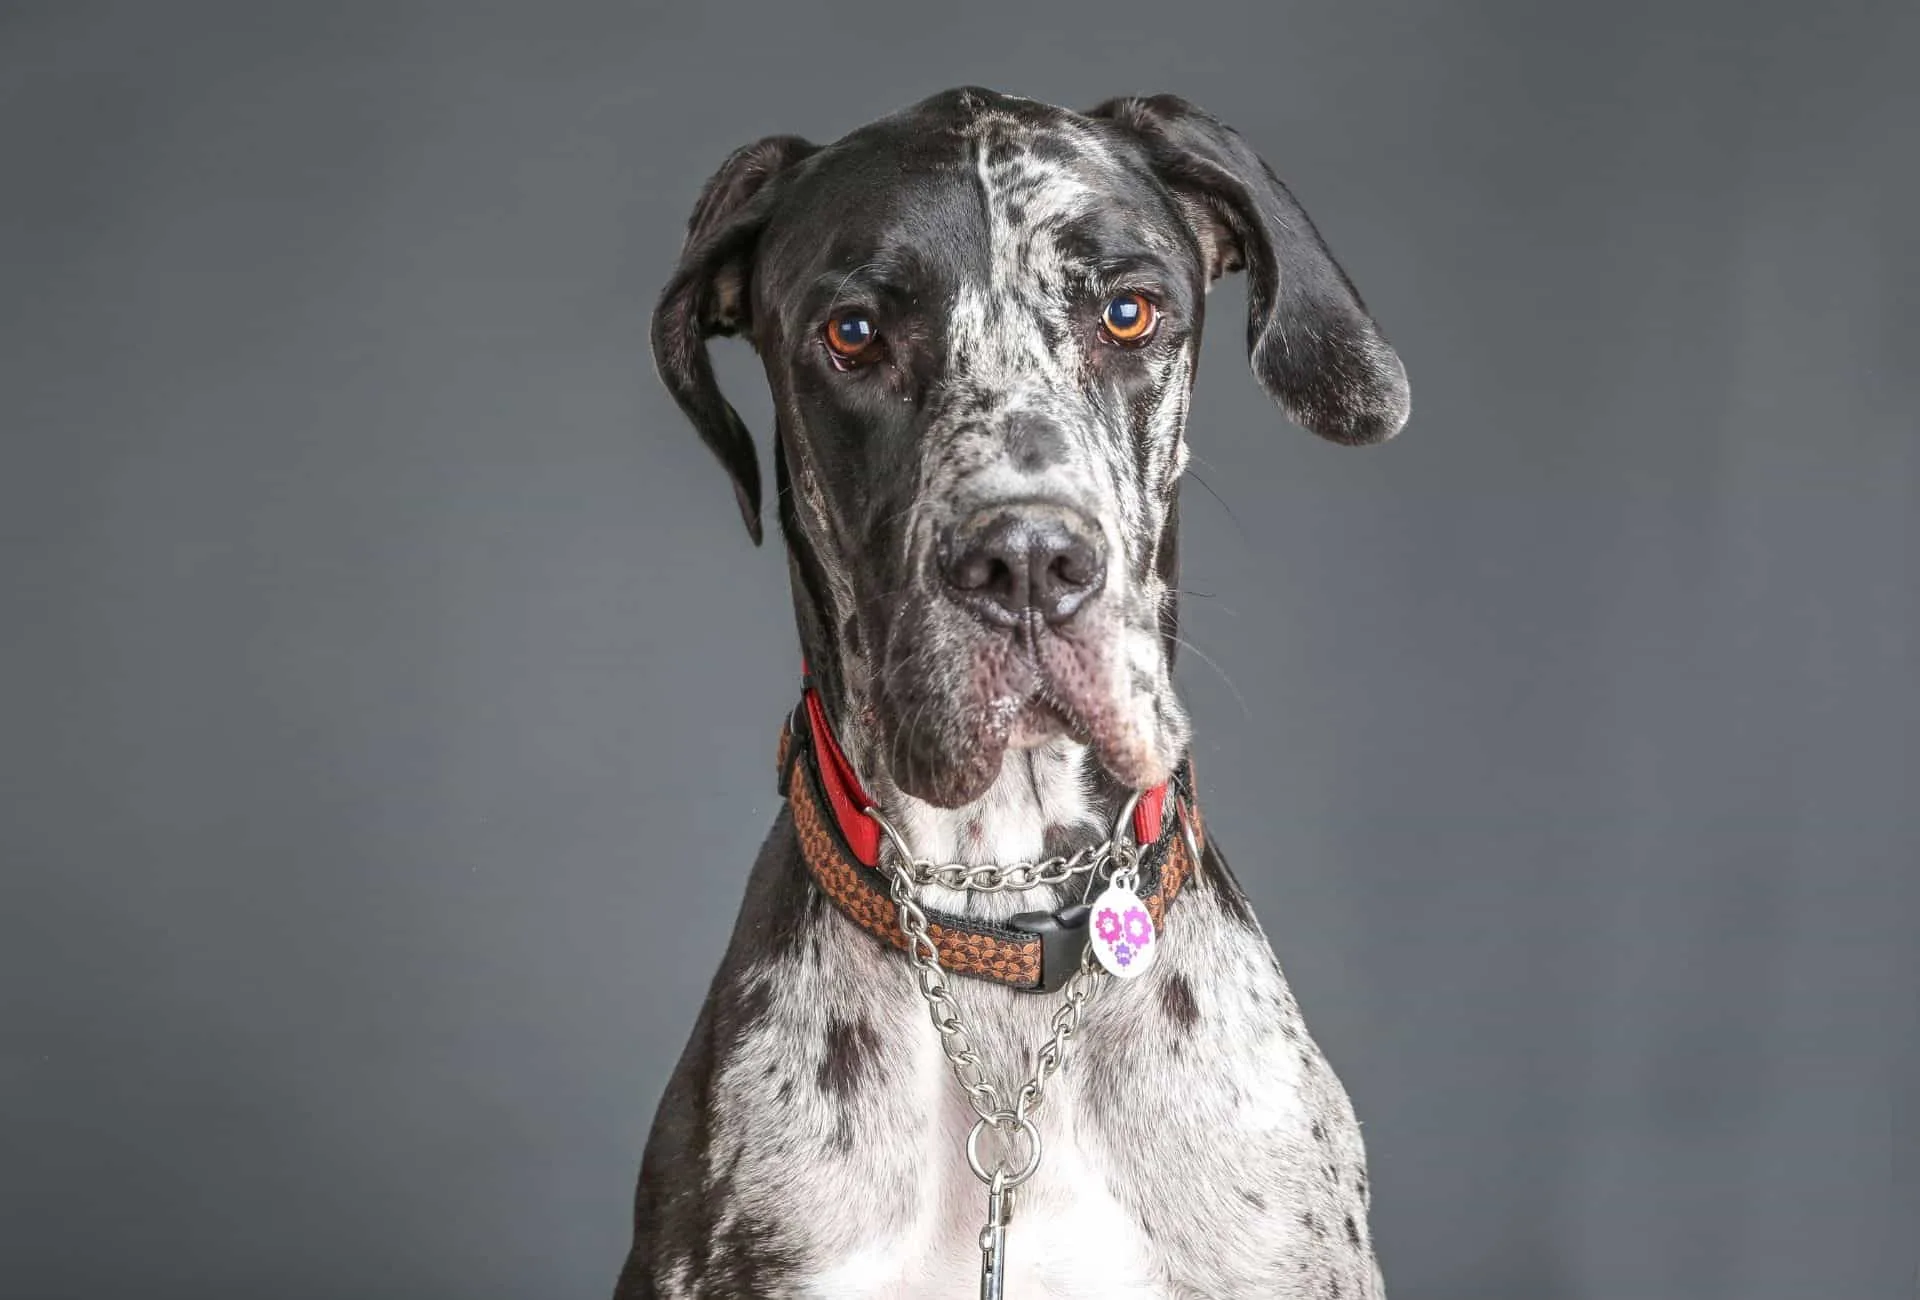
pixel 1034 951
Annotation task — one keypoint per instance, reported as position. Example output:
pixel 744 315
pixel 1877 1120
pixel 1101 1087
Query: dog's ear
pixel 1310 340
pixel 711 293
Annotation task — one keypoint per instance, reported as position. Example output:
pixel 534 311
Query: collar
pixel 1034 952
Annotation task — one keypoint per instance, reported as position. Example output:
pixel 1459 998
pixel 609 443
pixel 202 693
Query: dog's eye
pixel 1130 318
pixel 850 337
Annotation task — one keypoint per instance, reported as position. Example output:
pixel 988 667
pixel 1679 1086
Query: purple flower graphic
pixel 1123 954
pixel 1107 925
pixel 1139 927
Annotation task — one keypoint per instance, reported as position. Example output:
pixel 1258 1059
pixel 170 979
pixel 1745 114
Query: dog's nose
pixel 1012 559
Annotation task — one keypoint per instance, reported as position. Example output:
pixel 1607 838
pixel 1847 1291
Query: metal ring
pixel 899 845
pixel 1186 830
pixel 1125 821
pixel 999 1119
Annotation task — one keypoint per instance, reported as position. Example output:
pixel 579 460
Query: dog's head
pixel 980 319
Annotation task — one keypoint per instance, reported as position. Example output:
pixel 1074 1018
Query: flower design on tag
pixel 1123 938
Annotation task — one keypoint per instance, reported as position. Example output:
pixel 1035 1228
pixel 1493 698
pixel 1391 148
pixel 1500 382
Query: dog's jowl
pixel 979 320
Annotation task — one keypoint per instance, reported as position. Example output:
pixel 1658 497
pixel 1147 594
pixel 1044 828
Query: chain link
pixel 993 878
pixel 956 1042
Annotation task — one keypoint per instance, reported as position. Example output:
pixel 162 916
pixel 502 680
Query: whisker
pixel 868 266
pixel 1238 527
pixel 1208 660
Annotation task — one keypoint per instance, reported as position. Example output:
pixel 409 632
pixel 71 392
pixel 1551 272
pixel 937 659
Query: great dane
pixel 996 1017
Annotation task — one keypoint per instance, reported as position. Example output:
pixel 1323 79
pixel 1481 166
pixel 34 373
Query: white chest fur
pixel 1068 1239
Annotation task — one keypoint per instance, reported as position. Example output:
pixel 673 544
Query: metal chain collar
pixel 956 1043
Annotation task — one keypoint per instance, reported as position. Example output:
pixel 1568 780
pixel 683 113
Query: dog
pixel 980 319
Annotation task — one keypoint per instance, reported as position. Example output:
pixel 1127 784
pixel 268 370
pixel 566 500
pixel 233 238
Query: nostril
pixel 976 571
pixel 1073 567
pixel 1000 580
pixel 984 575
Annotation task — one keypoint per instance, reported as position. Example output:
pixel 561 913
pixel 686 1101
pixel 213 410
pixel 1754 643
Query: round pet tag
pixel 1122 932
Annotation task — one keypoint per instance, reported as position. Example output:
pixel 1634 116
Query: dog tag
pixel 1121 931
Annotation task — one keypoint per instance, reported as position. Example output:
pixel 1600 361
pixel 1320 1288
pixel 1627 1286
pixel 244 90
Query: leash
pixel 1143 861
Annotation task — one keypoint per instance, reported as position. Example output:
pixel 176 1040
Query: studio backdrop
pixel 388 696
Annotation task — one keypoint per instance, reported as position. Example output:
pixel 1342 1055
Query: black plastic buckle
pixel 1063 943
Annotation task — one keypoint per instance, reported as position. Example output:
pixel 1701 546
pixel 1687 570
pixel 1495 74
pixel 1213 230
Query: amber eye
pixel 1130 318
pixel 849 337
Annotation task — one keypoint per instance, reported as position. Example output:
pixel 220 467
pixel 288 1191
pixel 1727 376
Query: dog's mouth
pixel 1040 720
pixel 946 714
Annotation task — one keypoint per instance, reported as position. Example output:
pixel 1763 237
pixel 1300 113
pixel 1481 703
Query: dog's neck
pixel 1051 800
pixel 1046 800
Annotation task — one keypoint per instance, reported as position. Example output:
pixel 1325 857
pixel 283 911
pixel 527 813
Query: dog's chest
pixel 1068 1237
pixel 1195 1143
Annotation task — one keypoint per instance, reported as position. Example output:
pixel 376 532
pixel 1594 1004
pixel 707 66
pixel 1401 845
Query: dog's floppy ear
pixel 710 294
pixel 1310 340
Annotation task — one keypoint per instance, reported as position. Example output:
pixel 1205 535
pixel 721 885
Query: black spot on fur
pixel 1319 1131
pixel 851 1051
pixel 1311 1222
pixel 789 900
pixel 786 1090
pixel 1059 839
pixel 747 1008
pixel 1049 147
pixel 1365 1191
pixel 1176 995
pixel 1253 1198
pixel 1353 1232
pixel 748 1258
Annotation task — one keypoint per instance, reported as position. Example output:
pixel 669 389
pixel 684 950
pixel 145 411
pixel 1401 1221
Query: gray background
pixel 388 693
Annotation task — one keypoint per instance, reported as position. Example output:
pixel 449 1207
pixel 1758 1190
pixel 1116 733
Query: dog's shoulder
pixel 1231 1135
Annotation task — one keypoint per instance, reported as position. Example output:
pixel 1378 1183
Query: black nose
pixel 1010 561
